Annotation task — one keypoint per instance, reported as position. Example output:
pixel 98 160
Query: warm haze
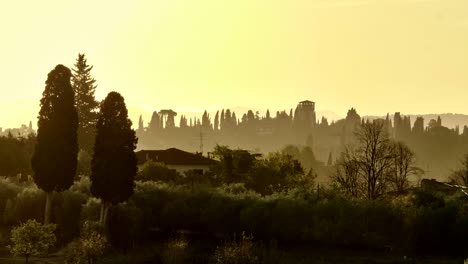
pixel 376 55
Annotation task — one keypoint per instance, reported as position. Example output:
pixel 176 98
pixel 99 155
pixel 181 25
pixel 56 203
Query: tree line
pixel 436 146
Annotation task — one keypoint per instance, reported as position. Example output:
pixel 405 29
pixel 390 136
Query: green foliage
pixel 423 198
pixel 15 155
pixel 176 251
pixel 20 202
pixel 237 252
pixel 27 205
pixel 67 207
pixel 90 210
pixel 90 246
pixel 32 239
pixel 154 171
pixel 55 156
pixel 125 225
pixel 460 175
pixel 277 172
pixel 295 216
pixel 234 165
pixel 114 163
pixel 84 163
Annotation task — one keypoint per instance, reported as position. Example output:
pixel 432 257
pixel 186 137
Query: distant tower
pixel 304 116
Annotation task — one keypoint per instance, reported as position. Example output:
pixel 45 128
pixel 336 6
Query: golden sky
pixel 376 55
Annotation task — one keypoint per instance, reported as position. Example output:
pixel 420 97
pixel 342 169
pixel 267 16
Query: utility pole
pixel 201 141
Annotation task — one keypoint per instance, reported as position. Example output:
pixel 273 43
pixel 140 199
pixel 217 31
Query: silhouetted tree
pixel 155 123
pixel 330 160
pixel 227 120
pixel 233 120
pixel 418 127
pixel 366 167
pixel 140 124
pixel 465 131
pixel 347 174
pixel 55 157
pixel 183 122
pixel 15 155
pixel 216 121
pixel 168 115
pixel 206 121
pixel 404 166
pixel 84 87
pixel 460 176
pixel 114 163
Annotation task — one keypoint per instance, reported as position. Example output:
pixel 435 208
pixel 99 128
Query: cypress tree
pixel 140 124
pixel 84 87
pixel 155 123
pixel 114 163
pixel 55 156
pixel 222 125
pixel 206 121
pixel 216 121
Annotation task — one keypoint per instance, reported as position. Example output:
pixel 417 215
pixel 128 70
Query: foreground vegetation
pixel 418 224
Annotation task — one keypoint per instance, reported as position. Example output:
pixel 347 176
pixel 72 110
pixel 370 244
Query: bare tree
pixel 375 164
pixel 460 176
pixel 404 166
pixel 362 171
pixel 347 174
pixel 374 157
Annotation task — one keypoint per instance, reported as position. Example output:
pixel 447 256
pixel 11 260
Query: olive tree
pixel 32 239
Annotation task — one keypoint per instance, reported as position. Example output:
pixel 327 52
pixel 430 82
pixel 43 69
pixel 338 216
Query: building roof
pixel 306 102
pixel 173 156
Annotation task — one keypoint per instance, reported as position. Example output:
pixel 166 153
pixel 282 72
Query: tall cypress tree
pixel 221 121
pixel 55 155
pixel 216 121
pixel 114 163
pixel 84 87
pixel 140 124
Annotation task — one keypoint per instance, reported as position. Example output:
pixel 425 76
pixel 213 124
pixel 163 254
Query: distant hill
pixel 449 120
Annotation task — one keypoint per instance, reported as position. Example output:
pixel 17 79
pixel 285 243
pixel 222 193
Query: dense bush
pixel 154 171
pixel 300 217
pixel 21 201
pixel 425 223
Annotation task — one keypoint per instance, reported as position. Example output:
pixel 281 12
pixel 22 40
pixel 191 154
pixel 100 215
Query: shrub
pixel 176 251
pixel 32 239
pixel 91 245
pixel 66 214
pixel 154 171
pixel 237 252
pixel 29 204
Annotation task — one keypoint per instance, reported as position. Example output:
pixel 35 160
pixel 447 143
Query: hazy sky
pixel 376 55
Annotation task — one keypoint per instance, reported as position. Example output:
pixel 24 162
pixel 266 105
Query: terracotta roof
pixel 173 156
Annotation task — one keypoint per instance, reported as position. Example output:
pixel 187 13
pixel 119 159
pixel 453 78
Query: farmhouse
pixel 176 159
